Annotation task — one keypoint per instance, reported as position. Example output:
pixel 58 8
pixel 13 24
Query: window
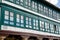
pixel 35 24
pixel 52 28
pixel 54 15
pixel 56 28
pixel 58 16
pixel 29 2
pixel 50 13
pixel 26 2
pixel 35 6
pixel 21 2
pixel 19 20
pixel 46 11
pixel 28 22
pixel 17 1
pixel 6 17
pixel 22 21
pixel 11 18
pixel 42 25
pixel 39 8
pixel 47 26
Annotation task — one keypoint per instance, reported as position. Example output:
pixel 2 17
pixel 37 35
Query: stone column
pixel 25 37
pixel 2 37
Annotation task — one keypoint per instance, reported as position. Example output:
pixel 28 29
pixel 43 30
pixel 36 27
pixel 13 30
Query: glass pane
pixel 11 19
pixel 18 16
pixel 11 14
pixel 41 24
pixel 17 1
pixel 6 12
pixel 17 24
pixel 18 20
pixel 6 17
pixel 22 17
pixel 6 22
pixel 26 22
pixel 12 23
pixel 22 21
pixel 46 25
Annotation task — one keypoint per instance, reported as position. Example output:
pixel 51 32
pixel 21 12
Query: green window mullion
pixel 24 21
pixel 15 19
pixel 58 29
pixel 9 18
pixel 28 22
pixel 49 28
pixel 20 19
pixel 39 24
pixel 32 23
pixel 44 27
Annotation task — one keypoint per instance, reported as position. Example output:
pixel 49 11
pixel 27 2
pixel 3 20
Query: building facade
pixel 29 20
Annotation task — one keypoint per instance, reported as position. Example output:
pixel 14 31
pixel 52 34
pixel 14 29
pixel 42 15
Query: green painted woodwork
pixel 30 5
pixel 0 1
pixel 27 14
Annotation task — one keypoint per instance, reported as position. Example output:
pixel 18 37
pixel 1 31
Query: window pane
pixel 32 4
pixel 6 22
pixel 51 27
pixel 6 12
pixel 22 17
pixel 41 24
pixel 12 23
pixel 18 18
pixel 11 19
pixel 50 13
pixel 46 25
pixel 11 14
pixel 17 24
pixel 17 1
pixel 6 17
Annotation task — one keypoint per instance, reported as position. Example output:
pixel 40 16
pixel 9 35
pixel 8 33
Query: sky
pixel 55 2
